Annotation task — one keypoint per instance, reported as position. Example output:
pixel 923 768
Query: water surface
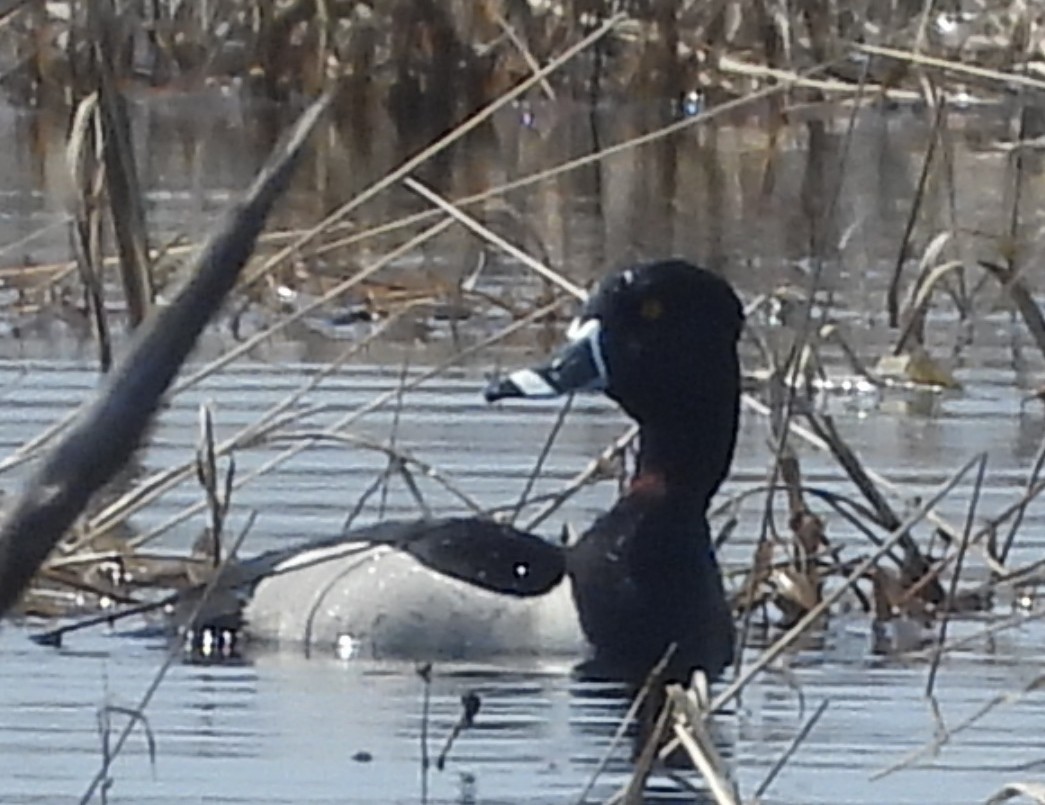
pixel 279 728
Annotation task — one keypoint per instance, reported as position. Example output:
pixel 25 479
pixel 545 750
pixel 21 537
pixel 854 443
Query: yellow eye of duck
pixel 651 309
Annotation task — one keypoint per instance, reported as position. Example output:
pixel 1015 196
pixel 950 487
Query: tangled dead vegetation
pixel 910 578
pixel 440 59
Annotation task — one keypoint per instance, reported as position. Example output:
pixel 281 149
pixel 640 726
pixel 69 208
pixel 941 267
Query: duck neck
pixel 688 457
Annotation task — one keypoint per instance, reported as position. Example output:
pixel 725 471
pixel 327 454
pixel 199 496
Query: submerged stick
pixel 110 428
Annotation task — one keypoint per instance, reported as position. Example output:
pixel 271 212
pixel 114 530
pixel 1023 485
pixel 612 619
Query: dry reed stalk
pixel 470 704
pixel 430 471
pixel 279 415
pixel 555 171
pixel 474 226
pixel 584 477
pixel 1016 509
pixel 832 333
pixel 892 297
pixel 988 632
pixel 19 244
pixel 916 308
pixel 962 548
pixel 334 293
pixel 134 718
pixel 1018 161
pixel 218 499
pixel 786 756
pixel 1027 575
pixel 414 162
pixel 83 147
pixel 1021 295
pixel 542 455
pixel 509 31
pixel 357 509
pixel 944 734
pixel 959 68
pixel 1000 576
pixel 109 429
pixel 122 187
pixel 824 427
pixel 814 440
pixel 653 678
pixel 734 66
pixel 60 271
pixel 36 445
pixel 691 731
pixel 376 403
pixel 634 791
pixel 425 672
pixel 811 617
pixel 397 410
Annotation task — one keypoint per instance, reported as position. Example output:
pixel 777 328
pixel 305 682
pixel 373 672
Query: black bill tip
pixel 501 388
pixel 524 383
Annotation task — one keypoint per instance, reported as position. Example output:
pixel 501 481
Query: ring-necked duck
pixel 661 340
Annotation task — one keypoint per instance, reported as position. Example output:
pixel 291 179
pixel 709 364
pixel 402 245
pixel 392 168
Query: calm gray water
pixel 281 728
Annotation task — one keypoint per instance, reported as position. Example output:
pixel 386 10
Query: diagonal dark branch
pixel 109 429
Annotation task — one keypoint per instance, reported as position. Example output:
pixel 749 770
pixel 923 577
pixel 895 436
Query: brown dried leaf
pixel 918 367
pixel 795 588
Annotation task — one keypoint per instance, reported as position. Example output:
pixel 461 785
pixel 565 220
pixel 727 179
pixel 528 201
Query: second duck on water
pixel 661 340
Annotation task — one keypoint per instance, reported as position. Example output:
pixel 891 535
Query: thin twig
pixel 553 434
pixel 416 161
pixel 791 749
pixel 470 223
pixel 962 548
pixel 378 402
